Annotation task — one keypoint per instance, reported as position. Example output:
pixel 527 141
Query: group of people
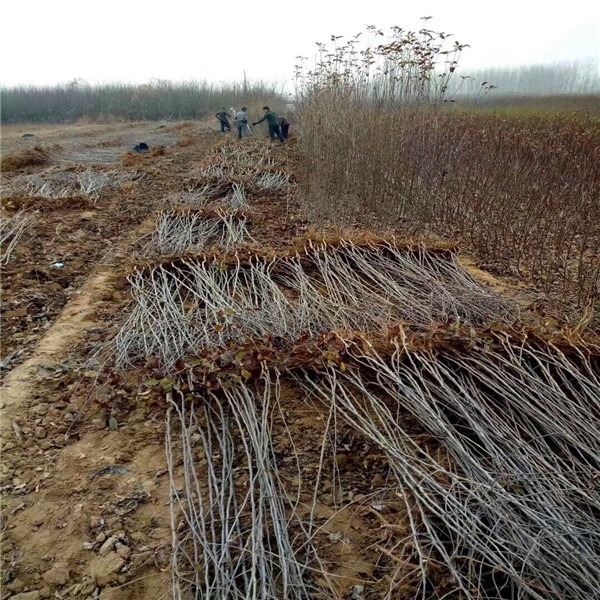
pixel 278 126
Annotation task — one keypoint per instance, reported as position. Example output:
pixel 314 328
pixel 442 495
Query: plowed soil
pixel 82 455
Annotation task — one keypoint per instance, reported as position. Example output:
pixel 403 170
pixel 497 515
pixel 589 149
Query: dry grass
pixel 37 156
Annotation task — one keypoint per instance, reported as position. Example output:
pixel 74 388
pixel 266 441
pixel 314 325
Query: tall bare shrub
pixel 383 142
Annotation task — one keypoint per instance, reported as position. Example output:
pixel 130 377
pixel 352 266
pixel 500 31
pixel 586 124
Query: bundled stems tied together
pixel 512 506
pixel 192 305
pixel 237 541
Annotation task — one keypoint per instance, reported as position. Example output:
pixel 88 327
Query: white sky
pixel 49 41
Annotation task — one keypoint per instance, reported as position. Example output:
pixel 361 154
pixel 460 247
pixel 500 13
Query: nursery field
pixel 225 374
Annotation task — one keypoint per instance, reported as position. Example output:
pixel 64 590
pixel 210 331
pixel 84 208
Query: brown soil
pixel 55 416
pixel 35 157
pixel 83 450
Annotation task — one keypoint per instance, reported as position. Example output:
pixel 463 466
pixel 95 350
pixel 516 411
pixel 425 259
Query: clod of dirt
pixel 57 575
pixel 34 595
pixel 95 522
pixel 122 550
pixel 378 481
pixel 16 586
pixel 104 569
pixel 341 460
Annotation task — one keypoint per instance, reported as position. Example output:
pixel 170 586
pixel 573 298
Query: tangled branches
pixel 64 182
pixel 518 518
pixel 274 181
pixel 195 304
pixel 12 230
pixel 215 172
pixel 192 196
pixel 180 232
pixel 234 167
pixel 237 520
pixel 253 154
pixel 223 182
pixel 233 172
pixel 237 198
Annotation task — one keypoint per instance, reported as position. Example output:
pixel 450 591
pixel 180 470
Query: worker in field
pixel 241 122
pixel 284 124
pixel 273 122
pixel 222 116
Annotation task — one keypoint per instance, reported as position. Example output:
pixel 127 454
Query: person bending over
pixel 273 122
pixel 285 127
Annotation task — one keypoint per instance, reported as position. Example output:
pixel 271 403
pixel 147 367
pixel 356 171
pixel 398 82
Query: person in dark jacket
pixel 284 124
pixel 273 122
pixel 222 116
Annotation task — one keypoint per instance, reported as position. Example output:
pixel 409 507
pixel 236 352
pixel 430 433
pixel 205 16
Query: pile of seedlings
pixel 192 231
pixel 491 445
pixel 487 431
pixel 241 537
pixel 234 172
pixel 64 182
pixel 510 501
pixel 274 181
pixel 196 303
pixel 12 230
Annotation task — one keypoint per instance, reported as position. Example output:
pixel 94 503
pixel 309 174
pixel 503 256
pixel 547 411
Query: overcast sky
pixel 49 41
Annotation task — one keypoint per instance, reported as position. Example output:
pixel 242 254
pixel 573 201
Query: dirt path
pixel 78 316
pixel 84 489
pixel 67 331
pixel 84 478
pixel 54 506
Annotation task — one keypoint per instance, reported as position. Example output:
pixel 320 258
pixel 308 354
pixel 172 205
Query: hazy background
pixel 48 42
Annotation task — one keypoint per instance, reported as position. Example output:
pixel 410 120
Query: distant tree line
pixel 158 99
pixel 574 78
